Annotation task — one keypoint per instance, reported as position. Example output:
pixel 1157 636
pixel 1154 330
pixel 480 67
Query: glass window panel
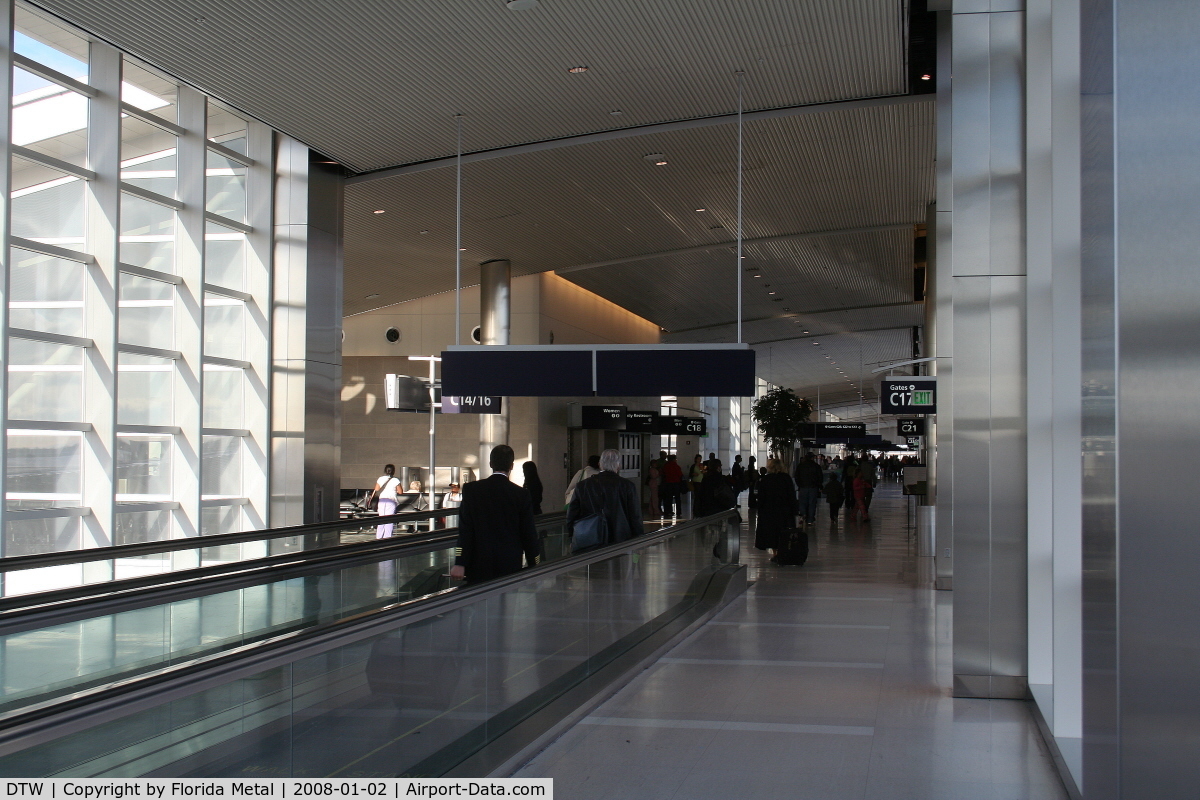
pixel 226 128
pixel 147 234
pixel 147 312
pixel 135 527
pixel 43 469
pixel 29 537
pixel 45 293
pixel 224 256
pixel 45 381
pixel 148 156
pixel 224 401
pixel 226 187
pixel 220 519
pixel 48 118
pixel 47 205
pixel 146 90
pixel 50 44
pixel 144 466
pixel 144 390
pixel 221 467
pixel 224 326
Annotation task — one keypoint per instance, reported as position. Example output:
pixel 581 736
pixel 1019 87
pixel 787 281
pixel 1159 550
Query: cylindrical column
pixel 495 326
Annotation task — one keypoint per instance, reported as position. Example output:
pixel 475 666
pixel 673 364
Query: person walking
pixel 495 525
pixel 672 494
pixel 834 495
pixel 654 481
pixel 385 492
pixel 738 474
pixel 862 488
pixel 592 468
pixel 533 485
pixel 777 507
pixel 610 495
pixel 808 484
pixel 752 477
pixel 714 494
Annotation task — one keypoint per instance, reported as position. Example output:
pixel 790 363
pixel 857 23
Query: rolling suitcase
pixel 794 550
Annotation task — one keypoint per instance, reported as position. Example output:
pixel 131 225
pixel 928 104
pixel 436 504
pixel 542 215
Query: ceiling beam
pixel 799 314
pixel 640 130
pixel 700 248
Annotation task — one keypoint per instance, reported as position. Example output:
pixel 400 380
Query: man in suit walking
pixel 495 525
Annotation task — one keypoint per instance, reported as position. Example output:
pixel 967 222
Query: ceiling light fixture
pixel 379 211
pixel 816 344
pixel 425 231
pixel 927 77
pixel 758 276
pixel 577 70
pixel 770 293
pixel 657 159
pixel 616 112
pixel 371 296
pixel 521 5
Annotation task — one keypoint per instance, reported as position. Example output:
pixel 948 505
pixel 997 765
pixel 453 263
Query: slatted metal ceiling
pixel 376 84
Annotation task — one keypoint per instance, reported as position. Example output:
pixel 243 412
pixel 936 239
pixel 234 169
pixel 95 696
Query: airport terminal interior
pixel 879 311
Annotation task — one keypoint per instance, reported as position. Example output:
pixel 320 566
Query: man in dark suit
pixel 495 525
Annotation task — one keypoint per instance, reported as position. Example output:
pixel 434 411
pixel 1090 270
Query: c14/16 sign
pixel 472 404
pixel 908 396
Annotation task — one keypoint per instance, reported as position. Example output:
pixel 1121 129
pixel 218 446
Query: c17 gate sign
pixel 908 396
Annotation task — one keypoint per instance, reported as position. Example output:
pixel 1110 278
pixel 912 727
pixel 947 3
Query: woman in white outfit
pixel 385 490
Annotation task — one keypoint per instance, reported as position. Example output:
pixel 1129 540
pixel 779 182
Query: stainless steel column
pixel 495 327
pixel 985 270
pixel 306 338
pixel 1141 315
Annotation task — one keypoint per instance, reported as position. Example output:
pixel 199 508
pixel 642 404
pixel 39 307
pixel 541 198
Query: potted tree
pixel 779 414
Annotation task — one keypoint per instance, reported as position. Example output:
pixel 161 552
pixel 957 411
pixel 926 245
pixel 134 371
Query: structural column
pixel 495 327
pixel 981 365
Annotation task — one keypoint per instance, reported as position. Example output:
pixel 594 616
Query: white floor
pixel 826 681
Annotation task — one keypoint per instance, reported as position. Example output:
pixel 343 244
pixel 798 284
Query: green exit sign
pixel 922 398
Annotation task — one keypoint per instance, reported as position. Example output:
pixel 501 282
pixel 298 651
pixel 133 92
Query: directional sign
pixel 833 430
pixel 596 418
pixel 908 396
pixel 641 422
pixel 683 426
pixel 910 427
pixel 472 404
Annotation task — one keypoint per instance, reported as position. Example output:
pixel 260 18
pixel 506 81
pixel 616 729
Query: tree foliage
pixel 779 414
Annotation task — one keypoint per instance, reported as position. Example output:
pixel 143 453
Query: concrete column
pixel 495 327
pixel 983 271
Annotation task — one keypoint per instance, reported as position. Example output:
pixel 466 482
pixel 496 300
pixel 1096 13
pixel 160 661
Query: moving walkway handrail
pixel 68 714
pixel 94 600
pixel 38 560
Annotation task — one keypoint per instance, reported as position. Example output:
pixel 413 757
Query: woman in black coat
pixel 533 485
pixel 777 507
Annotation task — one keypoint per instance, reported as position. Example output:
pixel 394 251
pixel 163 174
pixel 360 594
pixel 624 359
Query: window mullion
pixel 189 317
pixel 102 214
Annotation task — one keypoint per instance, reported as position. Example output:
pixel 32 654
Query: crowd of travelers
pixel 496 517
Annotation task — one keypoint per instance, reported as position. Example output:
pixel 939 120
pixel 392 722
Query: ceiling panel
pixel 844 168
pixel 377 84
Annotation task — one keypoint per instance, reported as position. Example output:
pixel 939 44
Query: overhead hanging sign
pixel 910 427
pixel 682 426
pixel 833 430
pixel 596 418
pixel 473 404
pixel 908 396
pixel 641 422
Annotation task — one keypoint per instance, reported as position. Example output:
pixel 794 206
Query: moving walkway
pixel 340 659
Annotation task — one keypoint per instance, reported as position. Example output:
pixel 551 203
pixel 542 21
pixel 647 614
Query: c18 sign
pixel 908 396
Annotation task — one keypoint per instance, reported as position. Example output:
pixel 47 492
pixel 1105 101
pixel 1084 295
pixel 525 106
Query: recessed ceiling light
pixel 521 5
pixel 379 211
pixel 770 293
pixel 371 296
pixel 804 331
pixel 758 276
pixel 701 209
pixel 926 77
pixel 425 231
pixel 616 112
pixel 462 249
pixel 577 70
pixel 816 344
pixel 657 159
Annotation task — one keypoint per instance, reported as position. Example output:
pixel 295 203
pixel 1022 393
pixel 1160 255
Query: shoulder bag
pixel 591 530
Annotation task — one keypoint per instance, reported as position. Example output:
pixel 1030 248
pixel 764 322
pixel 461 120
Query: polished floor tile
pixel 823 682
